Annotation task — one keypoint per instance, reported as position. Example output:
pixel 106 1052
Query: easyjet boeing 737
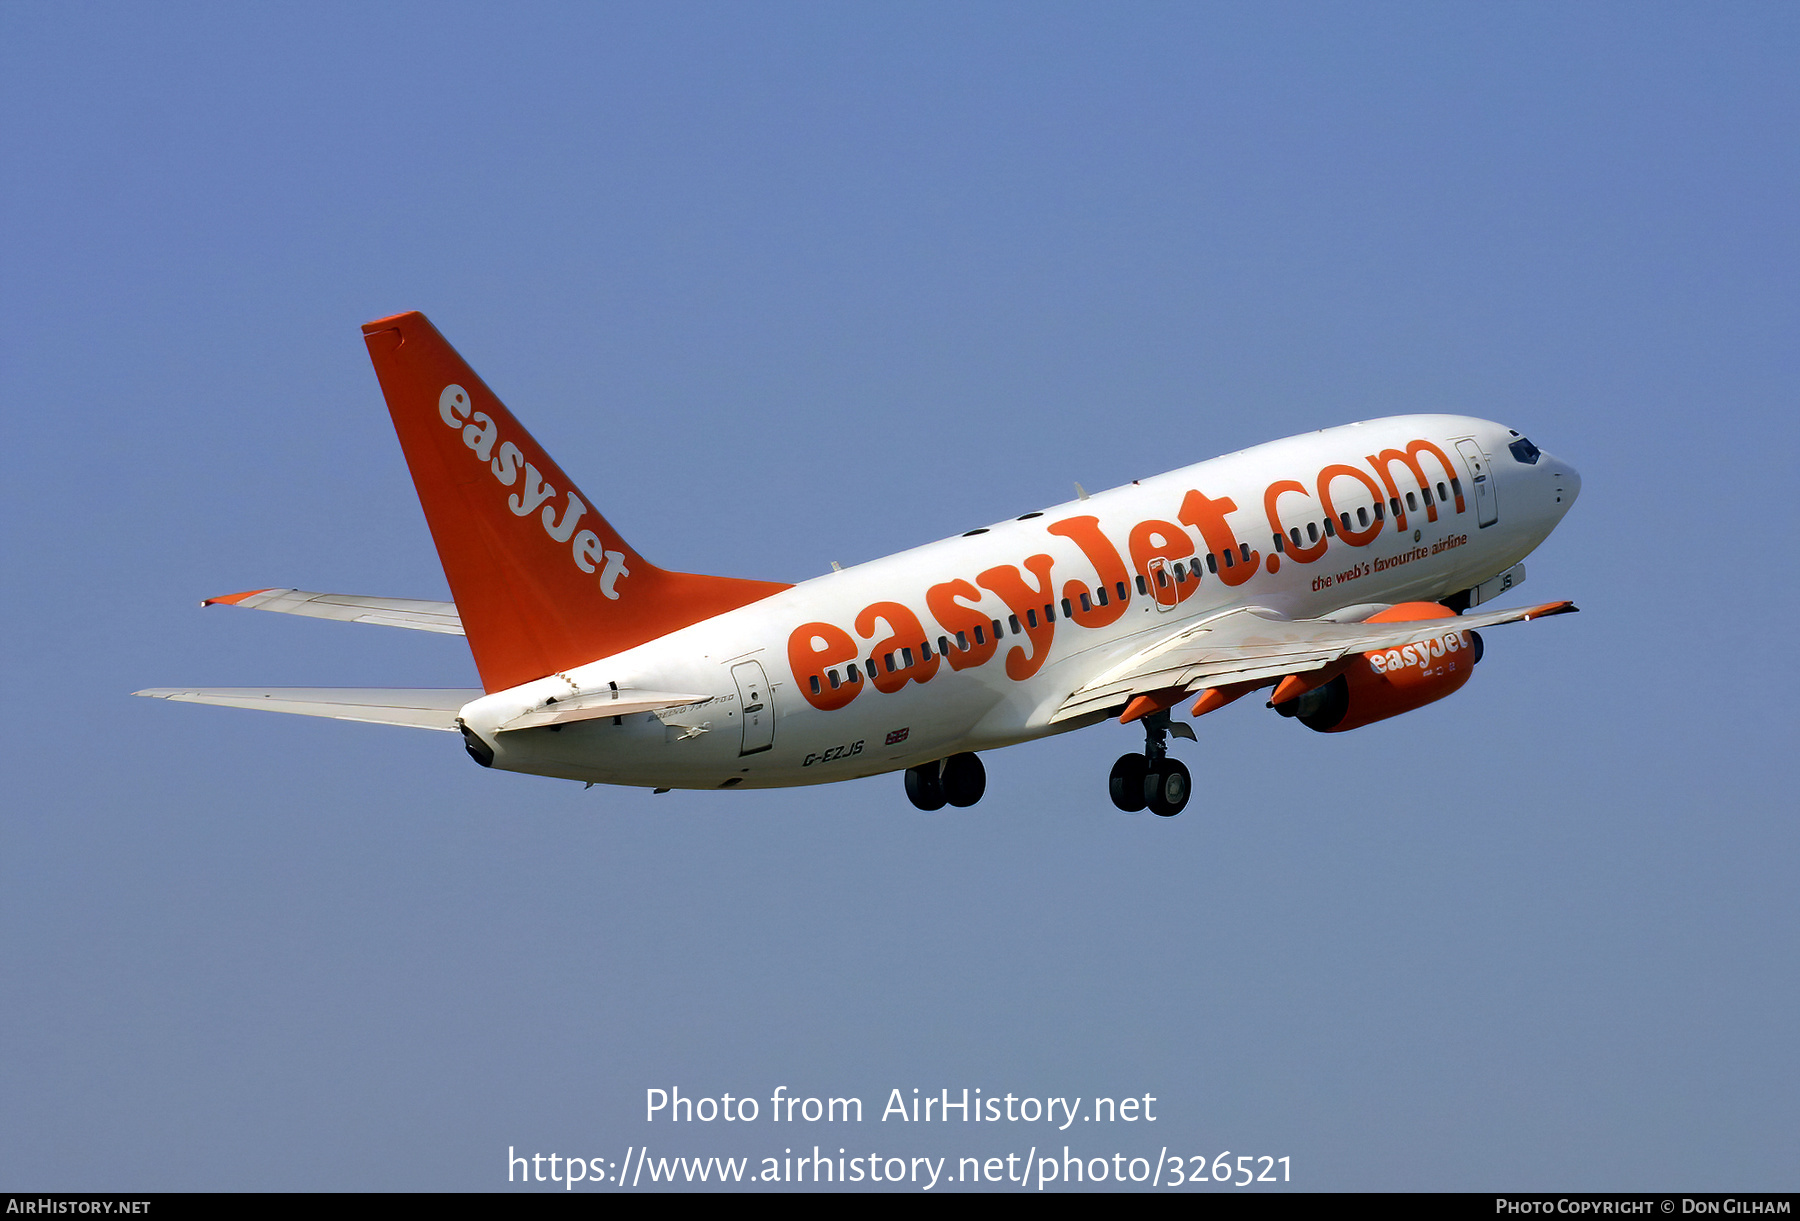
pixel 1340 568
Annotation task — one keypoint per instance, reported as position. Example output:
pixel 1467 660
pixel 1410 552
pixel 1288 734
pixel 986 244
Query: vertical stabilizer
pixel 542 582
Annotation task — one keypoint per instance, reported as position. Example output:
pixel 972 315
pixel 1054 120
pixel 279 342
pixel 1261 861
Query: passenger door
pixel 755 707
pixel 1487 501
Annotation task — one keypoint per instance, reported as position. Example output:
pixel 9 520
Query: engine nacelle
pixel 1387 682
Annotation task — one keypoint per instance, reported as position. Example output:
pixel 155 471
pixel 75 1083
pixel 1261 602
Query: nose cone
pixel 1565 481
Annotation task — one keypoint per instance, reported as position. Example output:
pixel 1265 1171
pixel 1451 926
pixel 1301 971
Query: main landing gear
pixel 959 780
pixel 1152 779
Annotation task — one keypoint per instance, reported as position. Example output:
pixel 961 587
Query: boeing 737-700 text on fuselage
pixel 1340 568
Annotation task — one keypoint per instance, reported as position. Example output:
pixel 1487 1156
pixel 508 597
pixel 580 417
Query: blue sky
pixel 783 285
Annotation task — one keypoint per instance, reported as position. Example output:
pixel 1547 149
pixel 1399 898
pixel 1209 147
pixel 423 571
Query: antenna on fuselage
pixel 1080 492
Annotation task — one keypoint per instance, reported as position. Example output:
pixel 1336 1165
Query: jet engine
pixel 1384 683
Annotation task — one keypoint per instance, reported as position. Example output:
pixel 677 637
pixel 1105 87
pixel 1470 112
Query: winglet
pixel 234 599
pixel 1550 608
pixel 541 580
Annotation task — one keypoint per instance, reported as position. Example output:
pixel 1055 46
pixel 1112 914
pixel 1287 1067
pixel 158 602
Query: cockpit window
pixel 1525 451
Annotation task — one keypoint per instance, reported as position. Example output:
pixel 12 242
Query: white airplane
pixel 1339 568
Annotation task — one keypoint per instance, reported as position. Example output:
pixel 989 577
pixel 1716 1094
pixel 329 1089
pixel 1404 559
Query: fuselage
pixel 973 642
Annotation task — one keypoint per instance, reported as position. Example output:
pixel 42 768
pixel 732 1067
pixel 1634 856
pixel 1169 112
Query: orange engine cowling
pixel 1385 683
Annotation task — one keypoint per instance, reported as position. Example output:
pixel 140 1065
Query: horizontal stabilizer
pixel 431 708
pixel 601 704
pixel 414 613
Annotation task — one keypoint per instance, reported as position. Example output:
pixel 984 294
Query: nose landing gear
pixel 1152 779
pixel 959 780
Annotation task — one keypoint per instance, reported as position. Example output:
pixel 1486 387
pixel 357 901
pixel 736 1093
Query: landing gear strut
pixel 959 780
pixel 1152 779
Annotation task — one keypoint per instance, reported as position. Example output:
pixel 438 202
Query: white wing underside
pixel 415 613
pixel 1252 644
pixel 416 709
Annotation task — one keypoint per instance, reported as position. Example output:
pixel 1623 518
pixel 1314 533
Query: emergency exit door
pixel 1161 579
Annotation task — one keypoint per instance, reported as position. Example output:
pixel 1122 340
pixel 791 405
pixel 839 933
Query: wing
pixel 352 608
pixel 418 709
pixel 1254 644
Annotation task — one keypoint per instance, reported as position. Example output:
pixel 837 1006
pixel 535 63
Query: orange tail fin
pixel 541 581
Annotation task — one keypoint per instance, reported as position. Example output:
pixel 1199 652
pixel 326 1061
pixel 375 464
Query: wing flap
pixel 1252 644
pixel 434 708
pixel 415 613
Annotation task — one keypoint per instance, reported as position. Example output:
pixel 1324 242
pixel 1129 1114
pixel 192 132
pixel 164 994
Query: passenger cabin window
pixel 887 660
pixel 1068 609
pixel 817 686
pixel 1000 631
pixel 1100 595
pixel 1344 517
pixel 1181 574
pixel 906 659
pixel 1443 492
pixel 1228 561
pixel 943 646
pixel 1194 568
pixel 925 650
pixel 1212 563
pixel 979 638
pixel 872 670
pixel 1312 532
pixel 1030 617
pixel 833 676
pixel 1394 504
pixel 1378 510
pixel 1124 593
pixel 1087 603
pixel 1279 545
pixel 1050 614
pixel 1330 529
pixel 1425 495
pixel 1412 502
pixel 1362 518
pixel 1143 588
pixel 1456 485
